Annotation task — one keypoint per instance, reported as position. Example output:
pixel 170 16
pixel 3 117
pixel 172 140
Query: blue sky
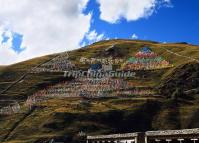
pixel 31 29
pixel 177 23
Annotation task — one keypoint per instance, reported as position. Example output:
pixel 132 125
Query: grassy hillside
pixel 2 67
pixel 63 118
pixel 184 79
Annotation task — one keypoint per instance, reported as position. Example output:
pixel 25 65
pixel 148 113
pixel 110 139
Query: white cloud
pixel 167 3
pixel 113 10
pixel 47 26
pixel 134 36
pixel 93 36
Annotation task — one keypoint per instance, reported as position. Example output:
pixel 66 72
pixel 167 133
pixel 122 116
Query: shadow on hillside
pixel 113 121
pixel 194 121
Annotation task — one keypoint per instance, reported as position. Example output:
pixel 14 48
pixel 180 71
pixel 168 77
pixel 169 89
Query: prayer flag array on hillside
pixel 58 64
pixel 146 59
pixel 87 88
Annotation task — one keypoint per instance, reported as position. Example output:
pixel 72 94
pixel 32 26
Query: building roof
pixel 126 135
pixel 173 132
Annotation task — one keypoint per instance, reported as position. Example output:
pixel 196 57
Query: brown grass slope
pixel 64 118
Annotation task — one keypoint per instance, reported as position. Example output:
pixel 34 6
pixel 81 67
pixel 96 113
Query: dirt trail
pixel 24 75
pixel 15 125
pixel 190 58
